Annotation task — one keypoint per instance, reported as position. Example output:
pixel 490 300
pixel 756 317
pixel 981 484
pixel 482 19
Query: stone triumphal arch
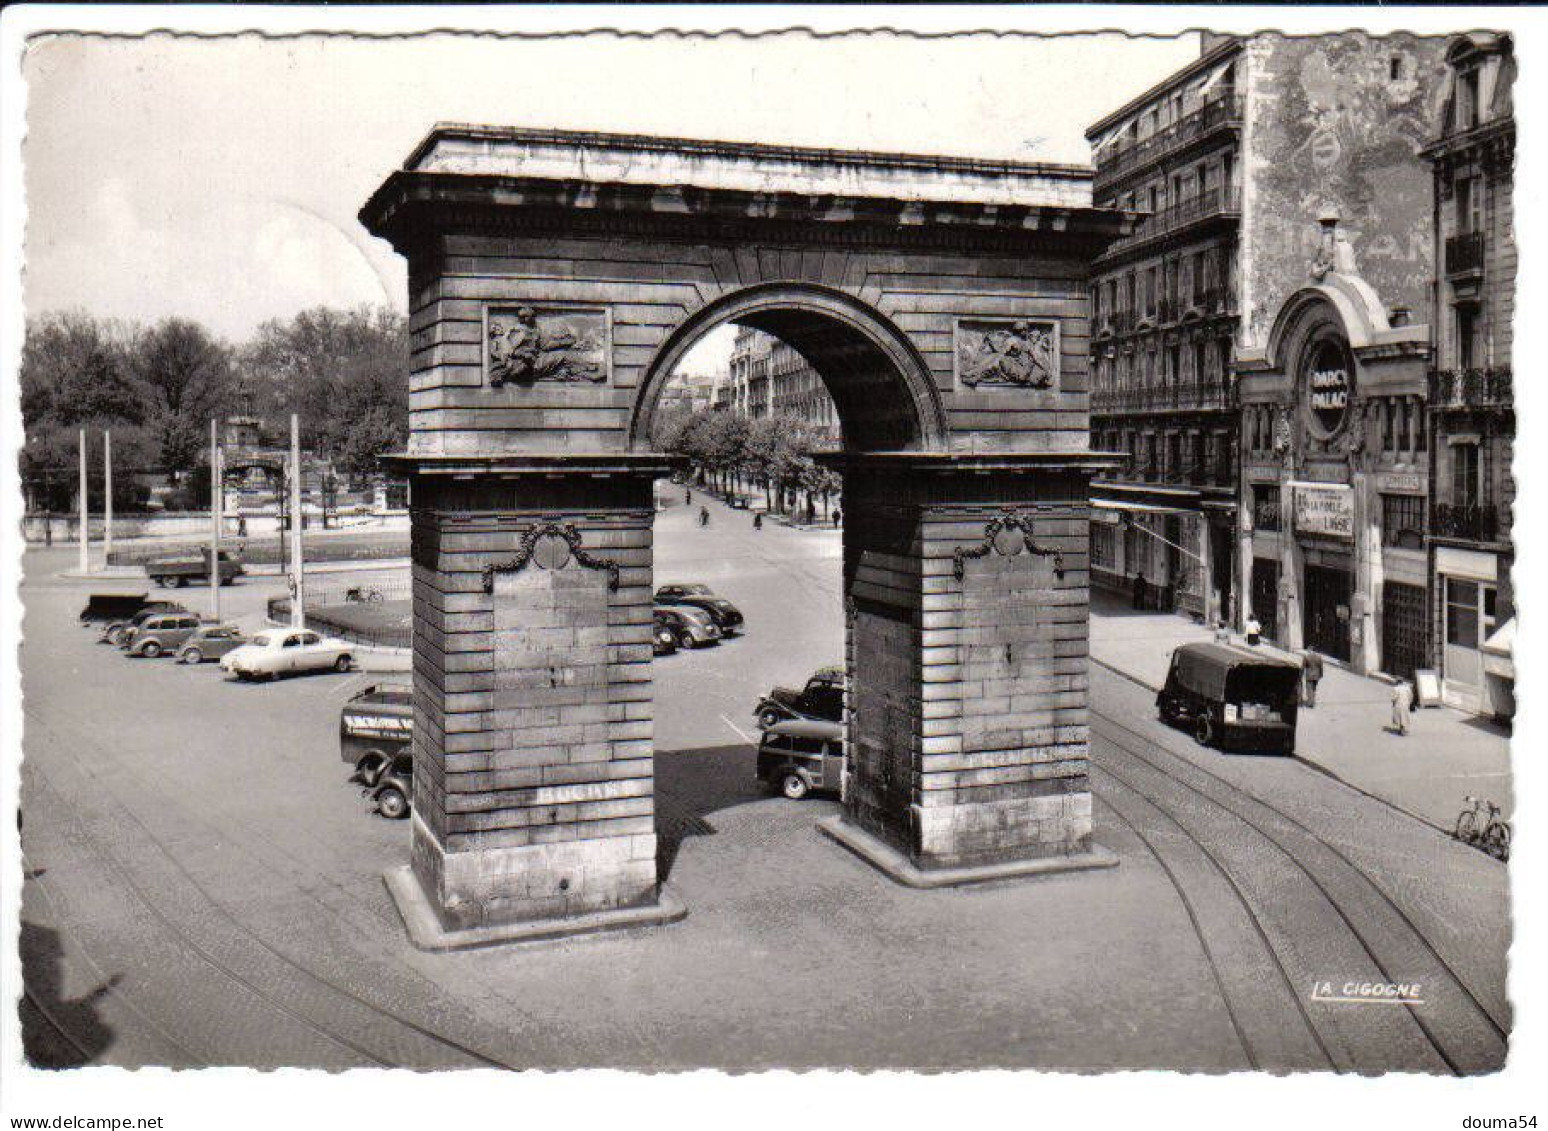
pixel 555 280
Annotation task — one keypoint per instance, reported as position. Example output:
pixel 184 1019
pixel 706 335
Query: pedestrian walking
pixel 1311 673
pixel 1254 630
pixel 1141 588
pixel 838 517
pixel 687 496
pixel 1222 632
pixel 241 526
pixel 758 521
pixel 703 516
pixel 1402 705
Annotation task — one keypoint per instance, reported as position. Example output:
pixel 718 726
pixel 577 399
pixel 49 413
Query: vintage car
pixel 802 755
pixel 375 727
pixel 693 628
pixel 663 636
pixel 104 608
pixel 162 634
pixel 277 652
pixel 114 632
pixel 1233 698
pixel 393 792
pixel 178 570
pixel 727 617
pixel 821 698
pixel 211 642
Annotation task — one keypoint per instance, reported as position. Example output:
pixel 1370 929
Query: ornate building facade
pixel 769 378
pixel 1471 406
pixel 1235 160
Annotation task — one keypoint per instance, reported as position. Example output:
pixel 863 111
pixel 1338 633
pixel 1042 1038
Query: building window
pixel 1469 340
pixel 1402 521
pixel 1464 475
pixel 1265 506
pixel 1395 68
pixel 1470 612
pixel 1467 99
pixel 1102 545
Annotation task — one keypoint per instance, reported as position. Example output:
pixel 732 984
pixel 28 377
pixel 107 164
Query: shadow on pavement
pixel 57 1033
pixel 693 783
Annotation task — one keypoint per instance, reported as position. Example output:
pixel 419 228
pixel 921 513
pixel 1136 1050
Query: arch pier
pixel 555 279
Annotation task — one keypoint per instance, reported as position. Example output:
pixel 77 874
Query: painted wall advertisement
pixel 1324 509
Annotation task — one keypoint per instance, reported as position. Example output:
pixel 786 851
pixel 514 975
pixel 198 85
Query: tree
pixel 344 372
pixel 185 379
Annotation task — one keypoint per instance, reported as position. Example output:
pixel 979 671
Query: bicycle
pixel 1494 835
pixel 358 595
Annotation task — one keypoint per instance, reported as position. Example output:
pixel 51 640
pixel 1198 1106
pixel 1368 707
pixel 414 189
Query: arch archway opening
pixel 883 395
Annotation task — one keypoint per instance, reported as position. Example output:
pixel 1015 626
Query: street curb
pixel 426 932
pixel 1301 758
pixel 896 866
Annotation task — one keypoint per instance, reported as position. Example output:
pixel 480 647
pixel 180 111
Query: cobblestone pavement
pixel 204 888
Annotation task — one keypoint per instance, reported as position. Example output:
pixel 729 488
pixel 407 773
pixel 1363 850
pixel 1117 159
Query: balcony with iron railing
pixel 1471 388
pixel 1187 396
pixel 1210 205
pixel 1464 253
pixel 1123 157
pixel 1465 522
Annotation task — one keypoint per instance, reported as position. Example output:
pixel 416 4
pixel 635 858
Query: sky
pixel 219 179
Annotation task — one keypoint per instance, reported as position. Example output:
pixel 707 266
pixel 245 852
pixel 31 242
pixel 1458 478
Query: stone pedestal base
pixel 896 864
pixel 427 931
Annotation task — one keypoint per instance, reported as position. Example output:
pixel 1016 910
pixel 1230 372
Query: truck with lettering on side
pixel 375 728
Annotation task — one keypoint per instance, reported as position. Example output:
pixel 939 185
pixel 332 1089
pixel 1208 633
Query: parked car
pixel 211 642
pixel 1231 697
pixel 693 628
pixel 160 634
pixel 180 569
pixel 800 756
pixel 375 727
pixel 821 698
pixel 114 632
pixel 393 793
pixel 663 636
pixel 284 651
pixel 727 617
pixel 104 608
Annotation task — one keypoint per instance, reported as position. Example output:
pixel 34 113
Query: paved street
pixel 205 888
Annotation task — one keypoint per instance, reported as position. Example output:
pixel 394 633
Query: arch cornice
pixel 796 297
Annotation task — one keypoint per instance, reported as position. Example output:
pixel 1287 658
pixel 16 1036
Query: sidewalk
pixel 1445 757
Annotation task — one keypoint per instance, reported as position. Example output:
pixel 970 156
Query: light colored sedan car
pixel 283 651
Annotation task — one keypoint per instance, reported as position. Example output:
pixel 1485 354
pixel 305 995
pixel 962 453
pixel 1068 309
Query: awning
pixel 1499 651
pixel 1146 508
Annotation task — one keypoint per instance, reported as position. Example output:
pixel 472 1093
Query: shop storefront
pixel 1332 458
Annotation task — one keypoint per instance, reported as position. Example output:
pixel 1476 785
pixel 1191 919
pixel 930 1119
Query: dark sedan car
pixel 727 617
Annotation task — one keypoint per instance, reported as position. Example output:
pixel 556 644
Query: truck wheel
pixel 391 803
pixel 150 649
pixel 181 581
pixel 686 640
pixel 793 786
pixel 1204 730
pixel 343 664
pixel 115 636
pixel 161 581
pixel 768 717
pixel 191 656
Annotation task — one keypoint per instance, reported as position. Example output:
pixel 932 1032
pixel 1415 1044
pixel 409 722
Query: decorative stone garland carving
pixel 1015 524
pixel 564 533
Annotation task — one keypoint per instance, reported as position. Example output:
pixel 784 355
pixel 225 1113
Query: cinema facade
pixel 1334 486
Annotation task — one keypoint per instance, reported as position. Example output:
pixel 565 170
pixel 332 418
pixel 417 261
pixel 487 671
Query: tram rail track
pixel 471 1057
pixel 1402 935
